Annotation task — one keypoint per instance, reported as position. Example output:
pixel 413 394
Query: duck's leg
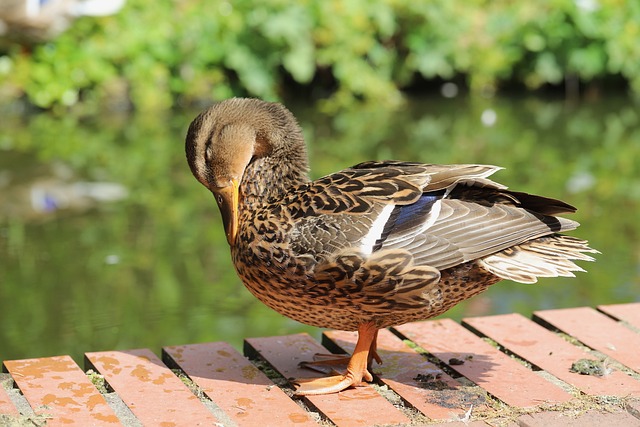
pixel 357 370
pixel 373 351
pixel 328 363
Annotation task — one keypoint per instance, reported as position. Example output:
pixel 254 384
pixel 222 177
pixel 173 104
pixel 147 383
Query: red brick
pixel 360 406
pixel 629 313
pixel 153 393
pixel 240 389
pixel 458 424
pixel 58 388
pixel 483 364
pixel 548 351
pixel 591 418
pixel 6 406
pixel 597 331
pixel 401 365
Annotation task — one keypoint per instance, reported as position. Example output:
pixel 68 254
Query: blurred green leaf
pixel 194 51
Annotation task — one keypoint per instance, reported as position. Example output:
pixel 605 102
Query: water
pixel 108 242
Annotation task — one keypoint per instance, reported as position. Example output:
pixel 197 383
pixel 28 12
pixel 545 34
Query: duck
pixel 375 245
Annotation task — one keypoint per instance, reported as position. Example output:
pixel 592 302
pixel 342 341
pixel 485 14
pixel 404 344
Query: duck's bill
pixel 227 198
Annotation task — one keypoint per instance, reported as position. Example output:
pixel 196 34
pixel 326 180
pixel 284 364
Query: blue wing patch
pixel 409 216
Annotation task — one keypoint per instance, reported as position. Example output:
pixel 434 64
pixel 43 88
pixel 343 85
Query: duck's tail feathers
pixel 548 256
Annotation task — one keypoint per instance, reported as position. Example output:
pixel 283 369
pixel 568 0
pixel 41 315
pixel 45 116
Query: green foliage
pixel 189 51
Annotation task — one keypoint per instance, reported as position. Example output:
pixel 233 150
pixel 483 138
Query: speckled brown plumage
pixel 375 245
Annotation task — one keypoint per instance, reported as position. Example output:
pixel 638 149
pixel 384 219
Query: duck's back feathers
pixel 443 215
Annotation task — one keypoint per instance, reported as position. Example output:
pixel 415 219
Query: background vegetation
pixel 155 55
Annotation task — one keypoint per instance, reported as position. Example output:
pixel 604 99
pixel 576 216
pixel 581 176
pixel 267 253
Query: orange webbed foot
pixel 357 369
pixel 325 385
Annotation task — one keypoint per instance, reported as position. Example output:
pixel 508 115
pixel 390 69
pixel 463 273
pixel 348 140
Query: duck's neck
pixel 269 178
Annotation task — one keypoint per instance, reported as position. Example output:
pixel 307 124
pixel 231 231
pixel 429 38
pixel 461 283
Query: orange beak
pixel 227 199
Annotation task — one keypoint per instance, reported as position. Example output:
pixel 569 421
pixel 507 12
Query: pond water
pixel 108 242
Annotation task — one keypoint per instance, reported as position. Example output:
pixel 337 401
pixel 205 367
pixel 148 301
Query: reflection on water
pixel 107 241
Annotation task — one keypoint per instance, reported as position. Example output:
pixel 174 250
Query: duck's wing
pixel 444 215
pixel 466 228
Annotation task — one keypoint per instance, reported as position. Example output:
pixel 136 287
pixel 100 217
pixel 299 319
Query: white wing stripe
pixel 375 232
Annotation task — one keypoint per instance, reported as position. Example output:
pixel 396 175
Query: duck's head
pixel 227 137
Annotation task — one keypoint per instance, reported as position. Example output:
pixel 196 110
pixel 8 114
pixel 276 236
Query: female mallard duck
pixel 375 245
